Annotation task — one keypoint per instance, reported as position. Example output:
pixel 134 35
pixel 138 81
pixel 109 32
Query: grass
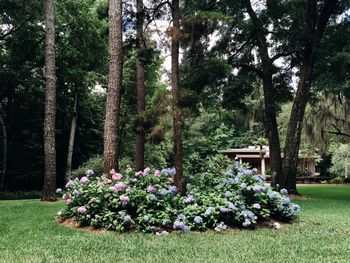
pixel 28 233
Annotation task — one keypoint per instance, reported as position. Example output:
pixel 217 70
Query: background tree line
pixel 241 65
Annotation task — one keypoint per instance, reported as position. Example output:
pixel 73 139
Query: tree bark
pixel 140 88
pixel 176 107
pixel 4 151
pixel 73 129
pixel 110 151
pixel 314 29
pixel 49 189
pixel 266 74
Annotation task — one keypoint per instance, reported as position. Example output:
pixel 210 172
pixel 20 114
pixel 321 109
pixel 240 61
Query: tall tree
pixel 140 87
pixel 73 128
pixel 314 28
pixel 110 151
pixel 49 193
pixel 266 74
pixel 176 107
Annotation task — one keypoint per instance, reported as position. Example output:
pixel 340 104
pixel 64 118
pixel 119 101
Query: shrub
pixel 148 201
pixel 95 163
pixel 20 195
pixel 337 180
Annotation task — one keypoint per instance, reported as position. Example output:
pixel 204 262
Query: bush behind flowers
pixel 148 201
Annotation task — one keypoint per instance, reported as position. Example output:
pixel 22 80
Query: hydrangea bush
pixel 148 201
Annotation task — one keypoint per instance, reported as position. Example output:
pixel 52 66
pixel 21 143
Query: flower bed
pixel 148 201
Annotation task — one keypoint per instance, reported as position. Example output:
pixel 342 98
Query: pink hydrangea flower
pixel 139 173
pixel 128 189
pixel 150 188
pixel 69 201
pixel 84 180
pixel 81 210
pixel 146 170
pixel 256 206
pixel 111 172
pixel 157 173
pixel 124 199
pixel 117 177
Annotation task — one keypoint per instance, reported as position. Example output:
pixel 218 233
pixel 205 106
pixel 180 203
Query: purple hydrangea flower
pixel 84 180
pixel 69 184
pixel 124 199
pixel 150 188
pixel 75 192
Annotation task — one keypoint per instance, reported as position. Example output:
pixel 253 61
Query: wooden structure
pixel 259 157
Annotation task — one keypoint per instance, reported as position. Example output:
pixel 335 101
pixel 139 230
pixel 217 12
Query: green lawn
pixel 28 233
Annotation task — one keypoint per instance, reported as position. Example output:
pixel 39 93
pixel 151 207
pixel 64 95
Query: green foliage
pixel 20 195
pixel 337 180
pixel 341 161
pixel 94 163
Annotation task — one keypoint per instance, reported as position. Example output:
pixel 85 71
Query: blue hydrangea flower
pixel 153 197
pixel 228 193
pixel 246 223
pixel 230 205
pixel 163 191
pixel 272 195
pixel 189 199
pixel 121 213
pixel 181 216
pixel 243 185
pixel 198 220
pixel 186 229
pixel 283 191
pixel 228 173
pixel 75 192
pixel 145 218
pixel 178 225
pixel 127 219
pixel 209 210
pixel 188 186
pixel 296 209
pixel 223 210
pixel 221 227
pixel 173 189
pixel 286 200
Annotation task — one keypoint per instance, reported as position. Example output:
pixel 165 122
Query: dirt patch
pixel 69 222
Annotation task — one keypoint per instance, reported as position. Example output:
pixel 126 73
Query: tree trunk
pixel 114 86
pixel 177 111
pixel 291 149
pixel 272 129
pixel 49 189
pixel 4 151
pixel 73 128
pixel 266 74
pixel 140 88
pixel 314 29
